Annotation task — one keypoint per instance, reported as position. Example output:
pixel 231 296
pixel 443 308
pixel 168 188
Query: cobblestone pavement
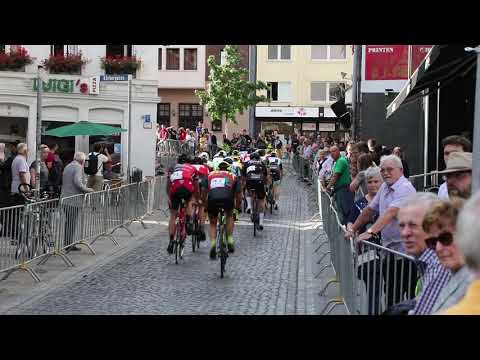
pixel 269 274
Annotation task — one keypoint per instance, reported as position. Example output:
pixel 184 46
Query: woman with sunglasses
pixel 440 225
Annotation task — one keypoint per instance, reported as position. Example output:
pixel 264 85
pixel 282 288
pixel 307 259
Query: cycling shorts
pixel 177 196
pixel 219 198
pixel 258 186
pixel 275 175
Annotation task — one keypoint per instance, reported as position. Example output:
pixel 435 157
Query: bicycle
pixel 196 229
pixel 221 241
pixel 255 216
pixel 181 233
pixel 270 197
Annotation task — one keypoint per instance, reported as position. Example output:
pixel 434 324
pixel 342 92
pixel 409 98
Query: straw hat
pixel 458 161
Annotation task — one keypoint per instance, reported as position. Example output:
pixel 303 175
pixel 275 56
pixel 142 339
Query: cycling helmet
pixel 261 152
pixel 204 155
pixel 273 153
pixel 224 166
pixel 235 153
pixel 228 160
pixel 255 156
pixel 221 153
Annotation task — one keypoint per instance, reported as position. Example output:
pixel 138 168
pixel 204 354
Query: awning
pixel 442 64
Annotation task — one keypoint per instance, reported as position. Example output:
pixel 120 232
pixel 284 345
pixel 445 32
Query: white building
pixel 63 102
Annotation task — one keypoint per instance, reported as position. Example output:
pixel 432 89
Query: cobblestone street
pixel 269 274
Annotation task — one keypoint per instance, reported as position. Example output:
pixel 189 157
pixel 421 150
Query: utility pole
pixel 129 170
pixel 39 131
pixel 356 89
pixel 252 77
pixel 476 127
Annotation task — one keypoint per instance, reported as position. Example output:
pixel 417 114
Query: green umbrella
pixel 84 128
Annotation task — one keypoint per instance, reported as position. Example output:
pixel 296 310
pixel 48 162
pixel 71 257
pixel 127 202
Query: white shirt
pixel 19 165
pixel 443 192
pixel 326 171
pixel 101 160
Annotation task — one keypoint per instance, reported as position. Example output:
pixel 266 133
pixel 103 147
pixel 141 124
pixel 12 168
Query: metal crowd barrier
pixel 428 182
pixel 371 277
pixel 46 229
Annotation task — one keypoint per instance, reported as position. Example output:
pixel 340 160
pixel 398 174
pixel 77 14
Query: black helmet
pixel 229 160
pixel 255 156
pixel 224 166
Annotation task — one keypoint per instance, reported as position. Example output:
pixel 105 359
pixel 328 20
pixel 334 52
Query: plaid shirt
pixel 434 277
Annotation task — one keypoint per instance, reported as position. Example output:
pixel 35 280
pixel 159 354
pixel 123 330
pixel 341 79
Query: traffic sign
pixel 120 77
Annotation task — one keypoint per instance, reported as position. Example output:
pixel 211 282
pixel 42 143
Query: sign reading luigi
pixel 56 85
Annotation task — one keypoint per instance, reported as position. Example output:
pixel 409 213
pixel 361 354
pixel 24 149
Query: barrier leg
pixel 62 256
pixel 23 267
pixel 320 246
pixel 110 236
pixel 322 269
pixel 337 301
pixel 323 257
pixel 332 281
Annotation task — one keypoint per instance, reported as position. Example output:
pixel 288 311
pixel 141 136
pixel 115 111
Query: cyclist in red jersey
pixel 200 165
pixel 224 191
pixel 181 184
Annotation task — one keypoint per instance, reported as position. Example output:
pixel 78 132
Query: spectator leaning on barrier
pixel 452 144
pixel 339 184
pixel 433 276
pixel 326 166
pixel 440 225
pixel 73 184
pixel 389 199
pixel 468 228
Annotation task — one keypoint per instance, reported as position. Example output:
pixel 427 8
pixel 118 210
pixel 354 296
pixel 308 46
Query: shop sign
pixel 386 62
pixel 326 127
pixel 95 85
pixel 309 126
pixel 65 86
pixel 286 111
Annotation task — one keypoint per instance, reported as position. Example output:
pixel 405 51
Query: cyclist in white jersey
pixel 276 173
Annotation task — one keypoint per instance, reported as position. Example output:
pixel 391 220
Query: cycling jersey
pixel 202 172
pixel 237 168
pixel 222 187
pixel 256 174
pixel 181 184
pixel 275 166
pixel 215 162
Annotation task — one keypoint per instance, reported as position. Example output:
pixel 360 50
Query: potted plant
pixel 15 59
pixel 65 64
pixel 120 64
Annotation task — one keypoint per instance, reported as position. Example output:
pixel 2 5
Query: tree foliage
pixel 229 91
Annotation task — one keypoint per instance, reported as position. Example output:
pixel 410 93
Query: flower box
pixel 120 64
pixel 65 64
pixel 15 60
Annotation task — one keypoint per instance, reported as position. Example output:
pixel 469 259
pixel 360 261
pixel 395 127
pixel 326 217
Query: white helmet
pixel 221 154
pixel 204 155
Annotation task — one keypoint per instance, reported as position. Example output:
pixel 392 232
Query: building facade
pixel 71 98
pixel 305 81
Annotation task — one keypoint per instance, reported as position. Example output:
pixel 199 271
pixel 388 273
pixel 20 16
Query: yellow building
pixel 305 81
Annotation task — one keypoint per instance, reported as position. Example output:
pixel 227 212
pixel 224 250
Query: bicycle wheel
pixel 271 200
pixel 176 244
pixel 223 251
pixel 254 214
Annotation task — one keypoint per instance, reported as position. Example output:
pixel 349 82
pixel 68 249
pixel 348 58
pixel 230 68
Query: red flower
pixel 83 88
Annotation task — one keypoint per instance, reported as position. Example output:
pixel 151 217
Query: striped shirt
pixel 434 278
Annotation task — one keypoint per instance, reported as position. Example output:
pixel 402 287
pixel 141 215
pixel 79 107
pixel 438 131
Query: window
pixel 159 58
pixel 319 91
pixel 173 59
pixel 119 50
pixel 280 91
pixel 56 50
pixel 279 52
pixel 190 59
pixel 163 114
pixel 329 52
pixel 189 115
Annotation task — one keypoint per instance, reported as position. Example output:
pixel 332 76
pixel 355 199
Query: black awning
pixel 442 64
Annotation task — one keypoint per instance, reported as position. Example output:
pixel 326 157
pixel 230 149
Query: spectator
pixel 349 150
pixel 73 184
pixel 182 134
pixel 287 139
pixel 295 144
pixel 326 167
pixel 359 183
pixel 433 276
pixel 398 152
pixel 163 133
pixel 372 143
pixel 226 140
pixel 440 225
pixel 246 139
pixel 261 143
pixel 199 129
pixel 103 157
pixel 5 177
pixel 213 143
pixel 389 199
pixel 20 172
pixel 468 228
pixel 371 270
pixel 358 149
pixel 44 173
pixel 451 144
pixel 339 184
pixel 459 175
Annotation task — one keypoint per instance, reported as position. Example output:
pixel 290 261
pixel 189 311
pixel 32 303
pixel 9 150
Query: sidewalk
pixel 19 288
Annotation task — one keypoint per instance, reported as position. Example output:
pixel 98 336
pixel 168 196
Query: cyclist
pixel 181 184
pixel 256 175
pixel 217 159
pixel 276 173
pixel 223 192
pixel 202 172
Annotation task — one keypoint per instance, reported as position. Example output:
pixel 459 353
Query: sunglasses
pixel 445 239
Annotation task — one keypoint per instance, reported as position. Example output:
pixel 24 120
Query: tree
pixel 229 91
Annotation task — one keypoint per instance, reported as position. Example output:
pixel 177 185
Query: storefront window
pixel 66 145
